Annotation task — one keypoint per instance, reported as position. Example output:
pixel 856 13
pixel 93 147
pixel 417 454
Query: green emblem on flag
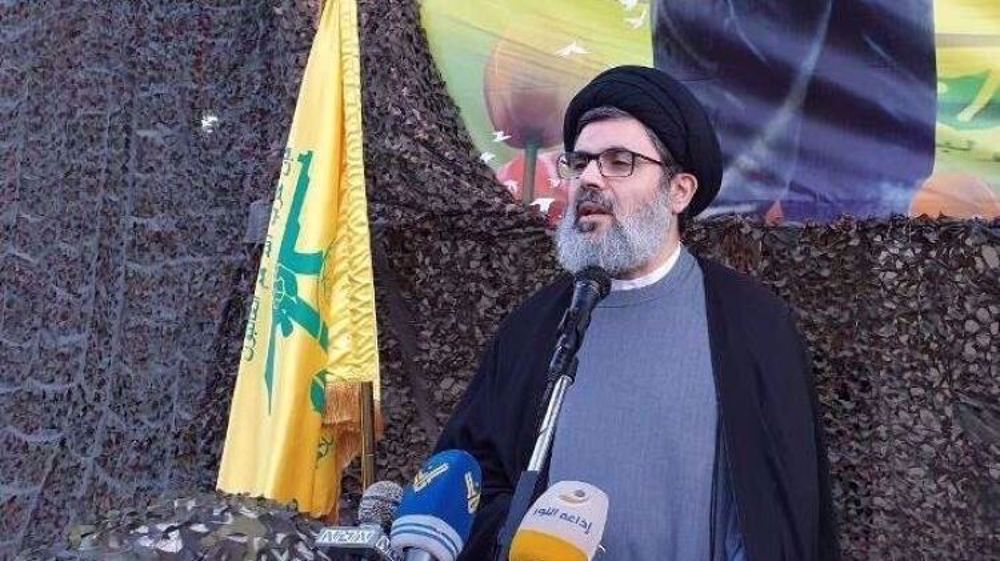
pixel 290 308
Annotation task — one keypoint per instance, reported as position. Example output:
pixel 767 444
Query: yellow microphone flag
pixel 565 524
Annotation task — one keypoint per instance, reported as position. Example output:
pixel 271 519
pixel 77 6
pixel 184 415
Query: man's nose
pixel 591 175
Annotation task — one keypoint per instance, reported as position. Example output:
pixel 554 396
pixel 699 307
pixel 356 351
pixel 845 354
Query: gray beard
pixel 629 243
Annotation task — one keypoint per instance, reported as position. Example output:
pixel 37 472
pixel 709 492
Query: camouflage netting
pixel 194 527
pixel 135 135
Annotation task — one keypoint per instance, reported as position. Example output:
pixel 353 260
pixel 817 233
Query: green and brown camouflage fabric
pixel 203 527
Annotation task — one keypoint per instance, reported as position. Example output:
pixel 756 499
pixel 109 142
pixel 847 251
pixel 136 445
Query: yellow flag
pixel 294 422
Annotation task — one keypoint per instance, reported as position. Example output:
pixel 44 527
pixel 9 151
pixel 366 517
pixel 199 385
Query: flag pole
pixel 367 397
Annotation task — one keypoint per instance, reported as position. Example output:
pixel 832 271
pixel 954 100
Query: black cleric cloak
pixel 771 441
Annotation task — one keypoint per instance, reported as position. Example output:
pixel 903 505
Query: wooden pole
pixel 367 397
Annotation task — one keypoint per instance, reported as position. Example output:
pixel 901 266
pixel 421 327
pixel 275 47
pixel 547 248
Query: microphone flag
pixel 565 524
pixel 437 510
pixel 367 540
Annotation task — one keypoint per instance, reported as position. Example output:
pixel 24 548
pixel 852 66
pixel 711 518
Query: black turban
pixel 669 109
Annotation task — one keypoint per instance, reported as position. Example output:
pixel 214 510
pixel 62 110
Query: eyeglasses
pixel 614 162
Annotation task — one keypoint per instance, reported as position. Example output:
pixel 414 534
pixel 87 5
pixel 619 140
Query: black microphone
pixel 590 286
pixel 368 540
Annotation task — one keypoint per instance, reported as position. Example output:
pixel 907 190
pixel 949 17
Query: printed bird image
pixel 573 48
pixel 638 21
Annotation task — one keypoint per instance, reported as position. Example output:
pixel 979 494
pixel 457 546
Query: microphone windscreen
pixel 596 275
pixel 379 503
pixel 565 524
pixel 437 509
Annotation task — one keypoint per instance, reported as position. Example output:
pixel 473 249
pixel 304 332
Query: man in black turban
pixel 693 406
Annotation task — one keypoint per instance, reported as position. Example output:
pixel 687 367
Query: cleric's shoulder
pixel 540 309
pixel 734 288
pixel 756 320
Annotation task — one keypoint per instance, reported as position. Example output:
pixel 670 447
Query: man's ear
pixel 683 187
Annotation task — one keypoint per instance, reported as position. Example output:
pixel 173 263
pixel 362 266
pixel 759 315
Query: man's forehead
pixel 624 132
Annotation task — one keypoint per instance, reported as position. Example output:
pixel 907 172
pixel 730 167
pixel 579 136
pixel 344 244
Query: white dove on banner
pixel 573 48
pixel 637 21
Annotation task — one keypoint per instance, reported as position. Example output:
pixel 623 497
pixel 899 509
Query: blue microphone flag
pixel 438 508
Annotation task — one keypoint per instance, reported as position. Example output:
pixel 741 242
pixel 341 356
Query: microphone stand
pixel 561 375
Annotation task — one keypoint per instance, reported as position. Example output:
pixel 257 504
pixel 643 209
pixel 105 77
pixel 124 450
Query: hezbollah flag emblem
pixel 294 423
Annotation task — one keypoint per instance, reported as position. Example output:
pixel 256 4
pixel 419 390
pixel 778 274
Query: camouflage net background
pixel 134 136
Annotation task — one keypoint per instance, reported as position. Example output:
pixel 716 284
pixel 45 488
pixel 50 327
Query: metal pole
pixel 528 179
pixel 547 431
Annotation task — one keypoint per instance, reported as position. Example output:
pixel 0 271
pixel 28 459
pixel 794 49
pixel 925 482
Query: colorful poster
pixel 966 178
pixel 867 108
pixel 512 66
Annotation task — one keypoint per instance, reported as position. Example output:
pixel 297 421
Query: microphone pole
pixel 590 286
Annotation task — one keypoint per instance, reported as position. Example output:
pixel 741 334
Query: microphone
pixel 565 524
pixel 435 516
pixel 590 286
pixel 366 541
